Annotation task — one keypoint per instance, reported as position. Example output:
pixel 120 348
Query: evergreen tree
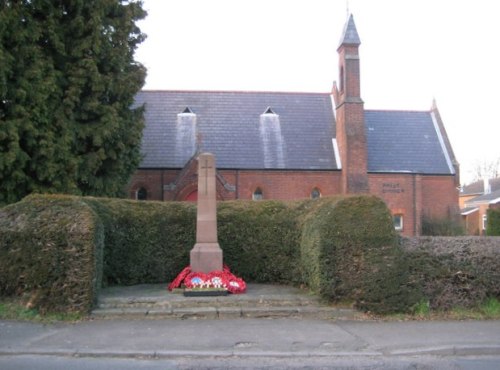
pixel 67 83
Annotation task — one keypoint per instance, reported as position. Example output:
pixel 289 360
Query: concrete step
pixel 260 301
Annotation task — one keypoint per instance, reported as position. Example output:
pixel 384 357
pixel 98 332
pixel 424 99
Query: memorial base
pixel 205 292
pixel 206 257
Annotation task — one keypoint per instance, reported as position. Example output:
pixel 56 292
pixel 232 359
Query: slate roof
pixel 300 129
pixel 229 126
pixel 406 141
pixel 350 35
pixel 468 210
pixel 477 187
pixel 491 198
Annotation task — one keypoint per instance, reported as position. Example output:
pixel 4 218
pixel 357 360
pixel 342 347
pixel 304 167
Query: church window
pixel 257 194
pixel 141 194
pixel 315 193
pixel 398 222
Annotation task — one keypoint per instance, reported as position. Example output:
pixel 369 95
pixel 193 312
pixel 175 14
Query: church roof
pixel 245 130
pixel 279 130
pixel 406 141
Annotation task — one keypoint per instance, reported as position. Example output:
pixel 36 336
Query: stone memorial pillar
pixel 206 255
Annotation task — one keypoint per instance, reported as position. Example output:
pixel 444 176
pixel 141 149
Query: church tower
pixel 351 137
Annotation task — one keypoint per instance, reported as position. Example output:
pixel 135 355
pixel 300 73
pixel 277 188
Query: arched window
pixel 142 194
pixel 257 194
pixel 315 193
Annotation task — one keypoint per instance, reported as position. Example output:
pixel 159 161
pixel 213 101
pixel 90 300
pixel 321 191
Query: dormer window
pixel 187 110
pixel 269 110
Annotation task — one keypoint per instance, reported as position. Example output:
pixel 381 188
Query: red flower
pixel 179 279
pixel 196 279
pixel 214 279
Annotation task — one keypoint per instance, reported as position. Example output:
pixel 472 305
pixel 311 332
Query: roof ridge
pixel 399 110
pixel 236 92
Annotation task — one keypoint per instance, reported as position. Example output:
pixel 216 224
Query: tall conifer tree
pixel 67 83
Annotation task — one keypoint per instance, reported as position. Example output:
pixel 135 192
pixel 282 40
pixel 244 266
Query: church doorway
pixel 192 197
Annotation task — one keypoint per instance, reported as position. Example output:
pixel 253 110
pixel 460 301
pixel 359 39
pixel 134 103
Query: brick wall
pixel 439 196
pixel 236 184
pixel 285 185
pixel 411 196
pixel 414 196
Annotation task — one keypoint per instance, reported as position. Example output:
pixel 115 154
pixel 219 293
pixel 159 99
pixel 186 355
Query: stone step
pixel 179 301
pixel 260 301
pixel 225 313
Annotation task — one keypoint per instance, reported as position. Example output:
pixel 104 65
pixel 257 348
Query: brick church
pixel 280 145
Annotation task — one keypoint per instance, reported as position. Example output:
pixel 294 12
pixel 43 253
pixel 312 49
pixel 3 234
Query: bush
pixel 146 242
pixel 260 240
pixel 455 272
pixel 441 227
pixel 60 250
pixel 493 224
pixel 350 251
pixel 51 250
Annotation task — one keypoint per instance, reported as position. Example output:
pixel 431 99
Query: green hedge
pixel 60 250
pixel 350 252
pixel 146 242
pixel 493 224
pixel 454 272
pixel 260 240
pixel 51 253
pixel 149 242
pixel 442 226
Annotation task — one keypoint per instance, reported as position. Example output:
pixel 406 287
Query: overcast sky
pixel 412 51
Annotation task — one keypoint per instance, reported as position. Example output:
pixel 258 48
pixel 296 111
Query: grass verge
pixel 16 309
pixel 488 310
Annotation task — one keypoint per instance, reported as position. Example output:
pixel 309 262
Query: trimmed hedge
pixel 260 240
pixel 455 272
pixel 51 249
pixel 145 242
pixel 350 252
pixel 493 225
pixel 60 250
pixel 149 242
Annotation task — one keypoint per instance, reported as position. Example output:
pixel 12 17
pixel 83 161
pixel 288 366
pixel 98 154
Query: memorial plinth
pixel 206 255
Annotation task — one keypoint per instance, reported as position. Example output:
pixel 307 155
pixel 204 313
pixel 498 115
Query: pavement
pixel 249 337
pixel 297 336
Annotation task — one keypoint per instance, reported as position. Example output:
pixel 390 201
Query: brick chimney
pixel 349 107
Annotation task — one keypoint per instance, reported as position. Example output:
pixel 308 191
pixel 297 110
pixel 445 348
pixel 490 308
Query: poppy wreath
pixel 215 279
pixel 179 279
